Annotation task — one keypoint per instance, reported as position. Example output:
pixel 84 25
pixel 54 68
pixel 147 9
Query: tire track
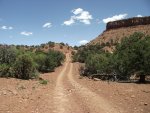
pixel 60 99
pixel 93 101
pixel 63 101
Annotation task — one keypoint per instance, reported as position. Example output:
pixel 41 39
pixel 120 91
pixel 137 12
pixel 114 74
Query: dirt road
pixel 66 93
pixel 64 99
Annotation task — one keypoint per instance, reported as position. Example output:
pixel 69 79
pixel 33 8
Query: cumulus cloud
pixel 139 16
pixel 6 28
pixel 69 22
pixel 26 33
pixel 47 25
pixel 114 18
pixel 10 27
pixel 77 11
pixel 83 42
pixel 79 15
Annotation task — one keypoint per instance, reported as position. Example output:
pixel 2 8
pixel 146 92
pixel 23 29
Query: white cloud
pixel 114 18
pixel 82 42
pixel 47 25
pixel 69 22
pixel 79 15
pixel 10 27
pixel 77 11
pixel 85 21
pixel 139 16
pixel 6 28
pixel 26 33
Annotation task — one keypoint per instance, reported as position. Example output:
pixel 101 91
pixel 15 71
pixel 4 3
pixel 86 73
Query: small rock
pixel 96 79
pixel 14 92
pixel 126 98
pixel 145 91
pixel 25 97
pixel 4 93
pixel 120 103
pixel 145 104
pixel 39 97
pixel 20 101
pixel 69 90
pixel 141 109
pixel 133 96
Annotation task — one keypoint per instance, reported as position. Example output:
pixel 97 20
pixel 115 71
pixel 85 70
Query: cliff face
pixel 128 22
pixel 115 31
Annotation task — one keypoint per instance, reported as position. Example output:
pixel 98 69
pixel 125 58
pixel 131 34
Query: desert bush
pixel 85 51
pixel 7 55
pixel 47 62
pixel 23 63
pixel 51 44
pixel 76 47
pixel 6 71
pixel 62 44
pixel 7 58
pixel 55 58
pixel 132 55
pixel 44 82
pixel 24 67
pixel 40 60
pixel 98 62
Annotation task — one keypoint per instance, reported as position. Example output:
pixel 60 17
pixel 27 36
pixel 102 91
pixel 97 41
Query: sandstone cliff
pixel 128 22
pixel 115 31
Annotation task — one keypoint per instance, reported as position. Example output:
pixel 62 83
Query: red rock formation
pixel 128 22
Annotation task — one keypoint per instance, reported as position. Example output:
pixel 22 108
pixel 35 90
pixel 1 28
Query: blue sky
pixel 74 22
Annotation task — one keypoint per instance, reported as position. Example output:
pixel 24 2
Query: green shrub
pixel 50 64
pixel 23 63
pixel 44 82
pixel 97 62
pixel 24 67
pixel 132 56
pixel 40 59
pixel 54 59
pixel 85 51
pixel 51 44
pixel 62 44
pixel 6 71
pixel 46 62
pixel 7 55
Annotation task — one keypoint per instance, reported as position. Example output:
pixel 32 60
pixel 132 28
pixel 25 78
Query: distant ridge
pixel 45 47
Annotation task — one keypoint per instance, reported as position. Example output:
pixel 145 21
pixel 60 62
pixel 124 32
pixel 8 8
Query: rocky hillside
pixel 116 30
